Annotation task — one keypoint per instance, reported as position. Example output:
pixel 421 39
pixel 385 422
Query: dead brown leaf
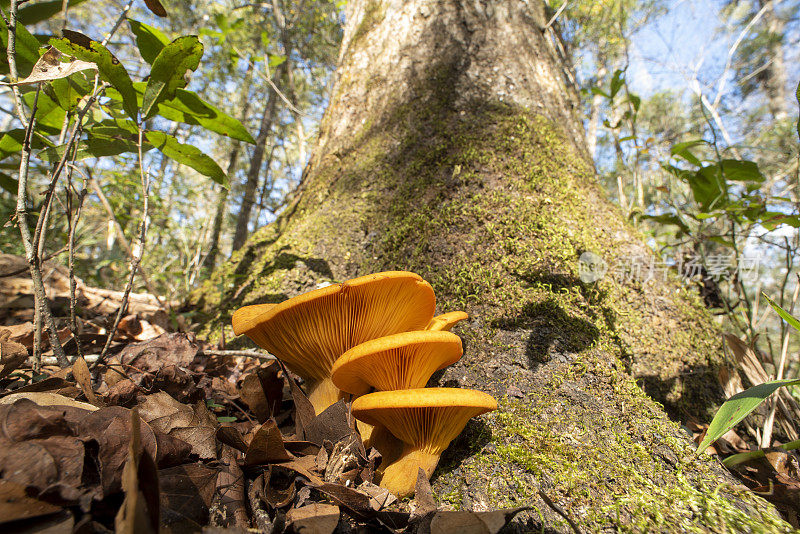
pixel 193 424
pixel 50 67
pixel 84 379
pixel 465 522
pixel 229 505
pixel 139 513
pixel 316 518
pixel 266 447
pixel 12 355
pixel 187 492
pixel 16 504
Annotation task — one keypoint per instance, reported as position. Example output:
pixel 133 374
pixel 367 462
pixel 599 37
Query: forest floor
pixel 170 434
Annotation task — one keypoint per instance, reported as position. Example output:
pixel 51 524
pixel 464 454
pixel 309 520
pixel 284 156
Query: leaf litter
pixel 163 437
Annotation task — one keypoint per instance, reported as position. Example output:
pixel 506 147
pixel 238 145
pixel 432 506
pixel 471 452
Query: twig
pixel 72 223
pixel 28 243
pixel 137 254
pixel 246 353
pixel 558 510
pixel 118 23
pixel 11 51
pixel 554 17
pixel 268 79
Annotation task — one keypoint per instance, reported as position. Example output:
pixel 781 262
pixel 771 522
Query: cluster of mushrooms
pixel 375 338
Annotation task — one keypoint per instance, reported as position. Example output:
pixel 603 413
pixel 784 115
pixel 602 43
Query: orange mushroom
pixel 310 331
pixel 446 321
pixel 426 420
pixel 400 361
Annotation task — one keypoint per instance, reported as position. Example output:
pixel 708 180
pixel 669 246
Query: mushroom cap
pixel 446 321
pixel 428 418
pixel 310 331
pixel 400 361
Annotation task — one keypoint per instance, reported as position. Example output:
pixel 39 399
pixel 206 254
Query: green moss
pixel 493 207
pixel 636 471
pixel 373 15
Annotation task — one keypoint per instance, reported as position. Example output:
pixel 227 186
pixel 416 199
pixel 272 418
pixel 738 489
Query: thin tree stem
pixel 137 253
pixel 11 51
pixel 42 308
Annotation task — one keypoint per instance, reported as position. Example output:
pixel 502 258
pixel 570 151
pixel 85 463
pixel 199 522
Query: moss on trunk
pixel 493 204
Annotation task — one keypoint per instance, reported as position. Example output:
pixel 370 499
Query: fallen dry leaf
pixel 45 398
pixel 193 424
pixel 84 379
pixel 15 504
pixel 139 513
pixel 464 522
pixel 314 518
pixel 266 447
pixel 12 355
pixel 186 495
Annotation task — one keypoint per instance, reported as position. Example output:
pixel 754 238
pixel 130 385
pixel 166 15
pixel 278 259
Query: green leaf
pixel 67 92
pixel 722 241
pixel 189 108
pixel 26 45
pixel 617 81
pixel 187 155
pixel 41 11
pixel 786 316
pixel 738 407
pixel 668 218
pixel 95 146
pixel 8 183
pixel 598 91
pixel 170 69
pixel 736 459
pixel 636 101
pixel 682 150
pixel 709 187
pixel 111 70
pixel 48 113
pixel 11 142
pixel 150 40
pixel 226 419
pixel 741 171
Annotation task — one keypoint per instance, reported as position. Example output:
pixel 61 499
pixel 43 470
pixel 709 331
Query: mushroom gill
pixel 400 361
pixel 309 332
pixel 426 421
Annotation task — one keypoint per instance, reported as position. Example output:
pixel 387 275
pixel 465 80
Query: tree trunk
pixel 256 161
pixel 774 79
pixel 219 214
pixel 450 148
pixel 222 199
pixel 594 113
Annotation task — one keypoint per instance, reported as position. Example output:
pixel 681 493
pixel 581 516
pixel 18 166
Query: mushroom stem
pixel 323 394
pixel 384 441
pixel 400 477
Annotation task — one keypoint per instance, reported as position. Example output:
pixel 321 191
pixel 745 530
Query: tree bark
pixel 451 148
